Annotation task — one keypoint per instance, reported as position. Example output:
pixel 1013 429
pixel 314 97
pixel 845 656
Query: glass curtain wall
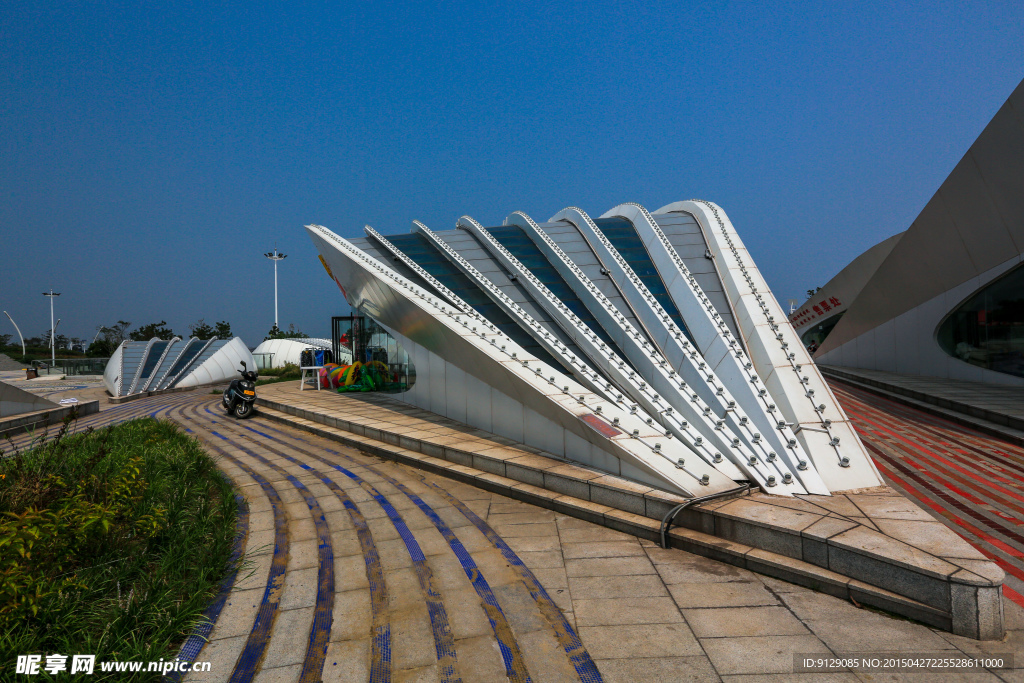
pixel 372 347
pixel 987 330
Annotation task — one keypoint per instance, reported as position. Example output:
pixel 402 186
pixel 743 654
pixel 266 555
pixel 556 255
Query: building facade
pixel 645 345
pixel 948 298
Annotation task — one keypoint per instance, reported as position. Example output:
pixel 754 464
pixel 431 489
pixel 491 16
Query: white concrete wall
pixel 908 344
pixel 447 390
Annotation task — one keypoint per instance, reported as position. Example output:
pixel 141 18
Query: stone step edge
pixel 960 413
pixel 747 557
pixel 621 494
pixel 155 392
pixel 612 491
pixel 43 418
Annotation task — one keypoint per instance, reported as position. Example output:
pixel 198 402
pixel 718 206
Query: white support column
pixel 750 453
pixel 723 361
pixel 787 371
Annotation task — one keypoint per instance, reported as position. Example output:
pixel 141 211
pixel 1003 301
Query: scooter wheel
pixel 243 410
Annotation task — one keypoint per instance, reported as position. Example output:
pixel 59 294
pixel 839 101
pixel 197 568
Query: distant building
pixel 276 353
pixel 157 364
pixel 945 298
pixel 643 345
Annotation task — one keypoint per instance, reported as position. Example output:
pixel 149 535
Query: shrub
pixel 112 542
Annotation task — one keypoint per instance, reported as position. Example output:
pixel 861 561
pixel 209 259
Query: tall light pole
pixel 19 332
pixel 275 257
pixel 53 342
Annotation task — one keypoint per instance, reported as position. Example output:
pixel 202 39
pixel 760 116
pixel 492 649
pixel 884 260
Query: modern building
pixel 643 345
pixel 140 366
pixel 276 353
pixel 945 298
pixel 816 318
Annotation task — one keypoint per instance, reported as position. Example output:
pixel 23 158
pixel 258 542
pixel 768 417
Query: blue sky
pixel 150 154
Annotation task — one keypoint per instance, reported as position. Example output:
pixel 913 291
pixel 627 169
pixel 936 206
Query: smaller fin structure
pixel 137 367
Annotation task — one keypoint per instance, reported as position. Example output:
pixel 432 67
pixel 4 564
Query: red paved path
pixel 972 482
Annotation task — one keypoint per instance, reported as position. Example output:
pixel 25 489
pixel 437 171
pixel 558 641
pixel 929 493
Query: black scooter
pixel 240 396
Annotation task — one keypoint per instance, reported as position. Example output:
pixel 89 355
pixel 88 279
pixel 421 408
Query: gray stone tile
pixel 351 618
pixel 723 594
pixel 552 578
pixel 520 530
pixel 634 586
pixel 930 536
pixel 890 507
pixel 609 566
pixel 534 516
pixel 689 568
pixel 743 621
pixel 639 640
pixel 660 670
pixel 222 655
pixel 544 657
pixel 479 660
pixel 347 661
pixel 847 629
pixel 412 641
pixel 541 559
pixel 466 616
pixel 592 534
pixel 278 674
pixel 528 544
pixel 300 587
pixel 931 591
pixel 289 637
pixel 573 551
pixel 759 654
pixel 612 611
pixel 520 608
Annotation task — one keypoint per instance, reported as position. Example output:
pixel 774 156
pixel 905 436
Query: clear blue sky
pixel 150 155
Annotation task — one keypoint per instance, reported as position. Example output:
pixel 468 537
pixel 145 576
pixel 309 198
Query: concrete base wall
pixel 907 344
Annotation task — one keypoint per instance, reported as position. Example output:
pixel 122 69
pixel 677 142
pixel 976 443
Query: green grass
pixel 289 373
pixel 112 543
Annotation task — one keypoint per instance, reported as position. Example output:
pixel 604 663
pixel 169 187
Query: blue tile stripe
pixel 564 632
pixel 515 666
pixel 380 647
pixel 444 642
pixel 320 632
pixel 251 657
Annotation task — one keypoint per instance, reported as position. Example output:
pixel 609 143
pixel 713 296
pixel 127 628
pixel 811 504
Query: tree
pixel 61 340
pixel 5 340
pixel 812 292
pixel 292 333
pixel 108 339
pixel 200 330
pixel 147 332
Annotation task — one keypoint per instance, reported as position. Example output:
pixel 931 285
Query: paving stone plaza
pixel 382 566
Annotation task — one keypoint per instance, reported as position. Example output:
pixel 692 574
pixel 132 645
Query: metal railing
pixel 71 366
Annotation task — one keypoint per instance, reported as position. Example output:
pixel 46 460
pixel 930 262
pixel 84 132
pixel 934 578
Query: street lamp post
pixel 53 341
pixel 275 256
pixel 18 330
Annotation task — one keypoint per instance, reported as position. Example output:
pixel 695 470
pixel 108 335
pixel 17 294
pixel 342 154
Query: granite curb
pixel 42 418
pixel 986 421
pixel 874 546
